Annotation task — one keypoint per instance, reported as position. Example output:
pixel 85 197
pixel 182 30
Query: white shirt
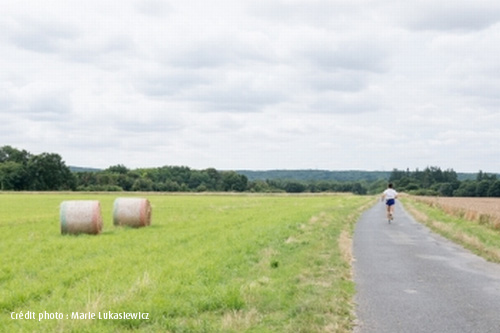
pixel 390 194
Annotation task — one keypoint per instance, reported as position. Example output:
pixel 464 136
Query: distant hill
pixel 82 169
pixel 466 176
pixel 311 175
pixel 341 176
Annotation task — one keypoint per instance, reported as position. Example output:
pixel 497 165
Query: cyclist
pixel 390 195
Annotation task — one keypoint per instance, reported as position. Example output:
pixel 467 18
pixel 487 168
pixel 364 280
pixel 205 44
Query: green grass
pixel 208 263
pixel 478 238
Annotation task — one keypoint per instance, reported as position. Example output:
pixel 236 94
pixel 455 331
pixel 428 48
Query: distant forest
pixel 436 182
pixel 317 175
pixel 23 171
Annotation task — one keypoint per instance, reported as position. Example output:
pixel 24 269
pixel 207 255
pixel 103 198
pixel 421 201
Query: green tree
pixel 445 189
pixel 233 181
pixel 494 190
pixel 143 184
pixel 357 188
pixel 48 172
pixel 13 176
pixel 466 189
pixel 8 153
pixel 119 168
pixel 13 168
pixel 214 181
pixel 294 187
pixel 483 187
pixel 197 178
pixel 259 186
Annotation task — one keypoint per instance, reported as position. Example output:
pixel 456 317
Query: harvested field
pixel 481 210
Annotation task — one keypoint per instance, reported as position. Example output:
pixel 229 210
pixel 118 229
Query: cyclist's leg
pixel 390 210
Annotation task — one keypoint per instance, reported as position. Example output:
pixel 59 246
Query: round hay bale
pixel 132 212
pixel 81 217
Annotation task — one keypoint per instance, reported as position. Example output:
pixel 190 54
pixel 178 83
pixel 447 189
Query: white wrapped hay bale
pixel 81 217
pixel 132 212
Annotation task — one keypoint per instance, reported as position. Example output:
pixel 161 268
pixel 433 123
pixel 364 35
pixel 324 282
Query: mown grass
pixel 211 263
pixel 477 237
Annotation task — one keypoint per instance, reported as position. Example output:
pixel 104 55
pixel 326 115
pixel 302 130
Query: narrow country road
pixel 409 279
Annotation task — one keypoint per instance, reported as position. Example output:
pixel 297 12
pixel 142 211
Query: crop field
pixel 471 222
pixel 207 263
pixel 482 210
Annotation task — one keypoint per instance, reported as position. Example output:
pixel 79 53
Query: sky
pixel 254 84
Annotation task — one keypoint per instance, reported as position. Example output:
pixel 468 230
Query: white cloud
pixel 253 84
pixel 448 15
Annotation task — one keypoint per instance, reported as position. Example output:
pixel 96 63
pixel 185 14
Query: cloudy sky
pixel 254 84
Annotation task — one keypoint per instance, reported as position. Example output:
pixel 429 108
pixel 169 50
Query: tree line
pixel 437 182
pixel 184 179
pixel 23 171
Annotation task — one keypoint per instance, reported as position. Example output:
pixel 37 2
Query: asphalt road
pixel 409 279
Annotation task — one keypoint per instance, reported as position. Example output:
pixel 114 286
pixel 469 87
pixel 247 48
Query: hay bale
pixel 132 212
pixel 81 217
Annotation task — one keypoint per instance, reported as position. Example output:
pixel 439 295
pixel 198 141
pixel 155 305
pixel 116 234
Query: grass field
pixel 208 263
pixel 471 222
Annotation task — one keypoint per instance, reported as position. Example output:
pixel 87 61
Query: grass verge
pixel 208 263
pixel 478 238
